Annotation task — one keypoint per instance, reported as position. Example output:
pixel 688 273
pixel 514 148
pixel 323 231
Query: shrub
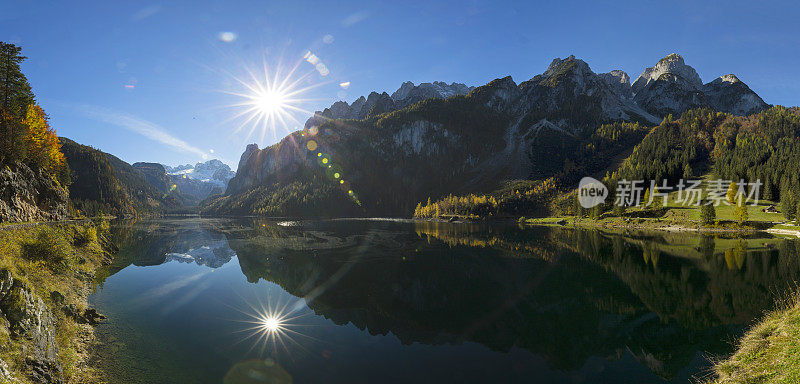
pixel 86 235
pixel 50 248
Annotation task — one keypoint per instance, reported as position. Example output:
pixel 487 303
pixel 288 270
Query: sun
pixel 270 100
pixel 271 324
pixel 274 325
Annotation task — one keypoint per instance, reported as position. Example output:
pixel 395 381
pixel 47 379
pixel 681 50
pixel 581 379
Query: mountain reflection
pixel 565 294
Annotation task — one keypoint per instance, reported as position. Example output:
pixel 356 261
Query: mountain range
pixel 381 155
pixel 379 103
pixel 103 183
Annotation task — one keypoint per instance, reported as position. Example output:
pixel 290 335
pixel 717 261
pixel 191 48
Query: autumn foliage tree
pixel 24 128
pixel 41 143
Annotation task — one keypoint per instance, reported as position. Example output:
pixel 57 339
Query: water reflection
pixel 569 296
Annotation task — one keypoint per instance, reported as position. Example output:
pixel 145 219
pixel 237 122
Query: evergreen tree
pixel 797 219
pixel 687 172
pixel 646 199
pixel 708 214
pixel 15 96
pixel 740 213
pixel 788 205
pixel 596 211
pixel 15 91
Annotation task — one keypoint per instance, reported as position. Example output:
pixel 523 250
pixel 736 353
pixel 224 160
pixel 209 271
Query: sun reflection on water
pixel 274 326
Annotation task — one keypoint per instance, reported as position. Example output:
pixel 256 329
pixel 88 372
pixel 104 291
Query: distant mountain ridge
pixel 202 179
pixel 387 162
pixel 190 184
pixel 102 183
pixel 671 86
pixel 212 171
pixel 377 103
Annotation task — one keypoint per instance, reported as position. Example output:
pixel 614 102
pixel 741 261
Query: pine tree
pixel 797 218
pixel 708 214
pixel 788 205
pixel 740 213
pixel 15 91
pixel 687 172
pixel 15 96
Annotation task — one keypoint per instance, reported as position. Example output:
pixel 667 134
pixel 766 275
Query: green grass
pixel 769 352
pixel 675 214
pixel 47 258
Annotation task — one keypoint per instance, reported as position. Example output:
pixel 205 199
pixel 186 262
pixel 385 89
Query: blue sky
pixel 151 81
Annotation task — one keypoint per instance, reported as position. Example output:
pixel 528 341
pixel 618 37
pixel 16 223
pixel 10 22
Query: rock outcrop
pixel 28 318
pixel 619 82
pixel 29 195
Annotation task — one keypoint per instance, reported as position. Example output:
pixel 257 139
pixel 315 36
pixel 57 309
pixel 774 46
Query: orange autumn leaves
pixel 36 143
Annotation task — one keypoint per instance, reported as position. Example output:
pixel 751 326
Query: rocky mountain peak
pixel 671 86
pixel 247 152
pixel 402 92
pixel 376 103
pixel 618 81
pixel 498 94
pixel 729 78
pixel 728 93
pixel 669 68
pixel 570 64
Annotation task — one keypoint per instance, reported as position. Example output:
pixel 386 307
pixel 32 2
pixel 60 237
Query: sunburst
pixel 273 326
pixel 270 100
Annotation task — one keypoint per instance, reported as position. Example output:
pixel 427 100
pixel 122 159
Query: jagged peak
pixel 729 78
pixel 247 152
pixel 672 58
pixel 618 81
pixel 559 65
pixel 671 67
pixel 620 75
pixel 503 81
pixel 402 92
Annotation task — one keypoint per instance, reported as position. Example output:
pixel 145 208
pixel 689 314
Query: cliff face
pixel 27 317
pixel 28 195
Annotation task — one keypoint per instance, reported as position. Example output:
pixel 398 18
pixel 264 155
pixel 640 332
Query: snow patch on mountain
pixel 212 171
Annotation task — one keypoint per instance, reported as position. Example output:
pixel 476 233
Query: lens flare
pixel 270 99
pixel 270 102
pixel 273 326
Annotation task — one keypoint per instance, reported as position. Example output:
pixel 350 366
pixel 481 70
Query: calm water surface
pixel 348 301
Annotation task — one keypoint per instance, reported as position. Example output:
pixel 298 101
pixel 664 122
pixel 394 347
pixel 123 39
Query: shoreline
pixel 652 225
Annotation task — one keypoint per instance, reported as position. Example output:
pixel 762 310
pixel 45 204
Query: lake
pixel 364 301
